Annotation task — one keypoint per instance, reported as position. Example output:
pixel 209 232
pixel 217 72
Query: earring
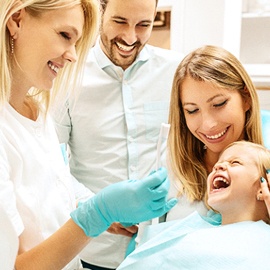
pixel 12 45
pixel 258 197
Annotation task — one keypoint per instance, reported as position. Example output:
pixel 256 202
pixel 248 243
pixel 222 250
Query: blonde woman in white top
pixel 43 43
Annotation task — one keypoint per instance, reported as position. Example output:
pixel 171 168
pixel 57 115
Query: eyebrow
pixel 218 95
pixel 119 17
pixel 125 19
pixel 208 100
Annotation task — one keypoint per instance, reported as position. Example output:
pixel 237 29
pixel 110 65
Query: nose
pixel 208 121
pixel 220 166
pixel 71 54
pixel 130 35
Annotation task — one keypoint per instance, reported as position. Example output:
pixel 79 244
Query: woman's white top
pixel 9 242
pixel 36 188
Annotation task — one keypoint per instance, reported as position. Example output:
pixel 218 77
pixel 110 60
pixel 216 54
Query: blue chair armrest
pixel 265 115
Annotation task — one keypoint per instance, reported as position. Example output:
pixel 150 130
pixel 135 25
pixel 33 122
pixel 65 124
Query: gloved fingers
pixel 170 204
pixel 158 204
pixel 161 191
pixel 160 208
pixel 155 179
pixel 152 172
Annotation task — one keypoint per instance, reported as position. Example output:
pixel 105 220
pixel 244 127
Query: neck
pixel 210 159
pixel 256 213
pixel 26 107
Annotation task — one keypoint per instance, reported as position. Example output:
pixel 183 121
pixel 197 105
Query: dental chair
pixel 265 115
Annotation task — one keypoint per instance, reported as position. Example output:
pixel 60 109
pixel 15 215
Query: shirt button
pixel 132 168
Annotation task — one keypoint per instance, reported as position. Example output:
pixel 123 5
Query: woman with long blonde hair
pixel 213 103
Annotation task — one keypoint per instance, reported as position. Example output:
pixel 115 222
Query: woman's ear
pixel 259 195
pixel 14 22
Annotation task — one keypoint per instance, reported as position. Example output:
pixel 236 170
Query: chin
pixel 214 203
pixel 47 86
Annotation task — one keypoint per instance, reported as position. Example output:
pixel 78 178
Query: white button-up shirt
pixel 112 127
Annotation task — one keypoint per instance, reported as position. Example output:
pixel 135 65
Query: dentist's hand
pixel 127 202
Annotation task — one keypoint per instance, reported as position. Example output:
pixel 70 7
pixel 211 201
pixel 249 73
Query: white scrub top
pixel 9 242
pixel 39 188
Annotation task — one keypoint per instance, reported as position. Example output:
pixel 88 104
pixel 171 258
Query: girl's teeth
pixel 220 182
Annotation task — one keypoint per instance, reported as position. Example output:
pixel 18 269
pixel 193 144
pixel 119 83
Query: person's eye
pixel 119 22
pixel 145 25
pixel 221 104
pixel 235 162
pixel 65 35
pixel 191 111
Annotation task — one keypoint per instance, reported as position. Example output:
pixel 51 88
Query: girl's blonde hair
pixel 261 155
pixel 186 153
pixel 70 75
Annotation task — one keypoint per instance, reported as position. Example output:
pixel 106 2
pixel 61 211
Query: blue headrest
pixel 265 115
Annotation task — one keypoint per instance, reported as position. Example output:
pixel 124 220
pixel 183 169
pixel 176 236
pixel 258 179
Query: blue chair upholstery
pixel 265 115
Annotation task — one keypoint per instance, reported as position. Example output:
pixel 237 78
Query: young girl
pixel 237 238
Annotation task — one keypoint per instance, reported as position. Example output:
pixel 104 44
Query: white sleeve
pixel 7 193
pixel 9 242
pixel 82 193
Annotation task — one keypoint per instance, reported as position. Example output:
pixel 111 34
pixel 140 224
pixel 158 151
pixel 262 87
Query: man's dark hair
pixel 104 3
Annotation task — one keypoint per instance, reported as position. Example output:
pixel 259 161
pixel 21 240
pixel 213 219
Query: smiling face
pixel 215 116
pixel 126 27
pixel 233 184
pixel 44 44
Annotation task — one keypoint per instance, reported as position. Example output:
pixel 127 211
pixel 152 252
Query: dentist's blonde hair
pixel 67 78
pixel 186 153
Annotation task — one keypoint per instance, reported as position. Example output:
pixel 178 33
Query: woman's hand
pixel 118 228
pixel 265 184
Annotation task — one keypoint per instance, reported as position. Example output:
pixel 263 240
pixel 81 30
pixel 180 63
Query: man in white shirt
pixel 112 126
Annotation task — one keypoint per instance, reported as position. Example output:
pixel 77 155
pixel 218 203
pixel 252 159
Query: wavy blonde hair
pixel 261 155
pixel 261 158
pixel 186 154
pixel 70 75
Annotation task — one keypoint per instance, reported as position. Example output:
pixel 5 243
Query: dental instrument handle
pixel 163 136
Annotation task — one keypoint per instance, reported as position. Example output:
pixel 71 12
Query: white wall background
pixel 240 26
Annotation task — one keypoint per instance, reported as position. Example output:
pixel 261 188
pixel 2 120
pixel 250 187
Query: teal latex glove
pixel 130 201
